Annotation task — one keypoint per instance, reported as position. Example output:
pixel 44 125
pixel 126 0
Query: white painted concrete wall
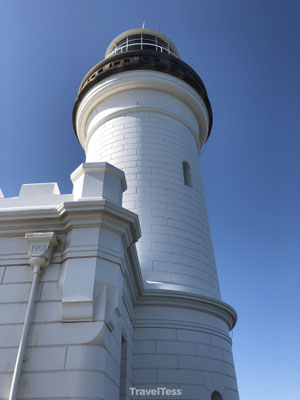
pixel 150 146
pixel 186 349
pixel 63 360
pixel 91 295
pixel 74 346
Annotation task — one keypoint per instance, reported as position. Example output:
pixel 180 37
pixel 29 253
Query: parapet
pixel 91 181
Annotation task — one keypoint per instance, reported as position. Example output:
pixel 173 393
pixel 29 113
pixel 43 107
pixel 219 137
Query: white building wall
pixel 74 345
pixel 91 295
pixel 175 248
pixel 62 360
pixel 185 349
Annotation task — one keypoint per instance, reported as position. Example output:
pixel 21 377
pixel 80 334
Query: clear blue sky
pixel 247 53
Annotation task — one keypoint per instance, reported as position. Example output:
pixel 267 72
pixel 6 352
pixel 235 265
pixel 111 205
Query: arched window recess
pixel 216 396
pixel 187 174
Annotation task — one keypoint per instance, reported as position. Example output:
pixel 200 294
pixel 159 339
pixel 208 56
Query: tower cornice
pixel 192 111
pixel 191 301
pixel 142 60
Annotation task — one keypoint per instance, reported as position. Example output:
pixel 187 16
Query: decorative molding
pixel 67 215
pixel 129 110
pixel 142 80
pixel 41 245
pixel 99 180
pixel 101 213
pixel 100 167
pixel 190 301
pixel 141 61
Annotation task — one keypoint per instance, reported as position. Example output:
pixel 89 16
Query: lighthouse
pixel 147 112
pixel 127 303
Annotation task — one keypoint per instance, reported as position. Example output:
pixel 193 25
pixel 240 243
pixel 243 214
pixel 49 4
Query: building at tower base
pixel 127 302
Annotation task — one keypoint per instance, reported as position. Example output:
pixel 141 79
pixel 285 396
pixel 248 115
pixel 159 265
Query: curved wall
pixel 182 348
pixel 149 133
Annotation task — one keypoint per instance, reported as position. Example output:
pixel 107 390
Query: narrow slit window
pixel 216 396
pixel 187 174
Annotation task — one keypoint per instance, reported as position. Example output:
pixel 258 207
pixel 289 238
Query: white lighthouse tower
pixel 145 111
pixel 112 292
